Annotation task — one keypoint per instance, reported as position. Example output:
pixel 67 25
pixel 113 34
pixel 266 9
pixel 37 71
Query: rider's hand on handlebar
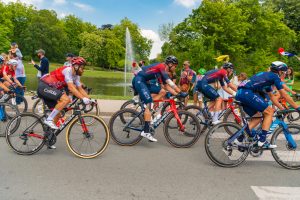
pixel 86 101
pixel 183 94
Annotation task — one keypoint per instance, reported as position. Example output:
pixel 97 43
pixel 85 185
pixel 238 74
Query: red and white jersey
pixel 60 77
pixel 5 70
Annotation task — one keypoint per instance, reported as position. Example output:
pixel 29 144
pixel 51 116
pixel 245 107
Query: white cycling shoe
pixel 50 124
pixel 148 136
pixel 266 145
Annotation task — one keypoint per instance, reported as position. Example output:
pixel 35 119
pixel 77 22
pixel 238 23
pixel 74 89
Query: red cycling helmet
pixel 78 61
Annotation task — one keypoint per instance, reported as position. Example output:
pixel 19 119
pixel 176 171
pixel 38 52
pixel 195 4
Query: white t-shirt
pixel 20 70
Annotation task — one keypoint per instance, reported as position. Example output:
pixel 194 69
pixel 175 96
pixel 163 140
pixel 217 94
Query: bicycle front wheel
pixel 25 134
pixel 182 138
pixel 219 151
pixel 87 141
pixel 125 127
pixel 284 154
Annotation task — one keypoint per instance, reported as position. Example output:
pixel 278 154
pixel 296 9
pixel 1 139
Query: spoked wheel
pixel 219 151
pixel 22 105
pixel 8 112
pixel 230 117
pixel 186 137
pixel 39 107
pixel 285 154
pixel 125 127
pixel 87 141
pixel 200 114
pixel 132 105
pixel 24 134
pixel 91 109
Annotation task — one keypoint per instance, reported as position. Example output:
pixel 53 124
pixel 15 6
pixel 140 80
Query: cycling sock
pixel 52 114
pixel 263 136
pixel 216 115
pixel 147 127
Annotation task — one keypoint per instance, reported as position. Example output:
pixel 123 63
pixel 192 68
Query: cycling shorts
pixel 49 94
pixel 251 102
pixel 145 89
pixel 207 90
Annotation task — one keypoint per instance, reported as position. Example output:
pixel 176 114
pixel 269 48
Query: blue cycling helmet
pixel 1 59
pixel 278 66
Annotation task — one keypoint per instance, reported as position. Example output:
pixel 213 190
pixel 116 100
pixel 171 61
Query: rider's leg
pixel 61 103
pixel 160 95
pixel 4 87
pixel 218 108
pixel 254 121
pixel 268 115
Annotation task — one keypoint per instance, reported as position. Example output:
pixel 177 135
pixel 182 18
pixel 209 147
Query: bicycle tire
pixel 211 155
pixel 115 133
pixel 99 151
pixel 24 101
pixel 9 134
pixel 281 146
pixel 10 111
pixel 226 118
pixel 35 109
pixel 185 135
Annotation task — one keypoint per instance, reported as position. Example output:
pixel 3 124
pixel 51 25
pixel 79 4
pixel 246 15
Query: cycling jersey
pixel 60 77
pixel 262 82
pixel 216 75
pixel 5 70
pixel 155 71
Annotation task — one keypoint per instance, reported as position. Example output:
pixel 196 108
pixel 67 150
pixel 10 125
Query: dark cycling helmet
pixel 171 59
pixel 78 61
pixel 1 59
pixel 228 65
pixel 278 66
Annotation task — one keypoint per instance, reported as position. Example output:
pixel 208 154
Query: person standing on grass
pixel 187 78
pixel 289 79
pixel 44 64
pixel 69 57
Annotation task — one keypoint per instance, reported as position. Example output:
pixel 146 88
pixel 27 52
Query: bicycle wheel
pixel 9 112
pixel 125 127
pixel 22 106
pixel 229 117
pixel 39 107
pixel 132 105
pixel 283 154
pixel 217 149
pixel 25 134
pixel 92 109
pixel 187 137
pixel 89 143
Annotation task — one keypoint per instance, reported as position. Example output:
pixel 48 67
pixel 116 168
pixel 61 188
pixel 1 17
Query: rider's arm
pixel 5 76
pixel 226 89
pixel 232 86
pixel 74 90
pixel 17 81
pixel 286 88
pixel 275 101
pixel 170 89
pixel 82 91
pixel 171 86
pixel 288 98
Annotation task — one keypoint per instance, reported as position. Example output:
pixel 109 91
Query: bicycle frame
pixel 279 121
pixel 165 115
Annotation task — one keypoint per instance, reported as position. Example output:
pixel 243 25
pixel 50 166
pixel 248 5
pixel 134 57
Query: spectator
pixel 289 79
pixel 187 78
pixel 69 57
pixel 15 49
pixel 198 97
pixel 20 75
pixel 44 64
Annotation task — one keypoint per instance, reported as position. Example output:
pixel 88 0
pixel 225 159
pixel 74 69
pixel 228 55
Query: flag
pixel 224 58
pixel 284 53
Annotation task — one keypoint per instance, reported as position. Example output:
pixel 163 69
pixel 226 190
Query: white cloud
pixel 59 2
pixel 157 43
pixel 84 7
pixel 187 3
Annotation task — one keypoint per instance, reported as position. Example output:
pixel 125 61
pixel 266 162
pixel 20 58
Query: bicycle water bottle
pixel 60 122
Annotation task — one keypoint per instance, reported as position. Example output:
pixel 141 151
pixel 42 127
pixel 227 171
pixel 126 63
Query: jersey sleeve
pixel 277 82
pixel 67 72
pixel 163 73
pixel 77 81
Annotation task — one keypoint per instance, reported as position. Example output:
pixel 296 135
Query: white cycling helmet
pixel 12 62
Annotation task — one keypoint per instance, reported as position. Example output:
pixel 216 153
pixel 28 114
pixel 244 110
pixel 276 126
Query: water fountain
pixel 129 58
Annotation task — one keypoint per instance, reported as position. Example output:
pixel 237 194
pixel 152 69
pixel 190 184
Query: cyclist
pixel 51 85
pixel 250 94
pixel 8 76
pixel 208 91
pixel 198 95
pixel 141 84
pixel 2 86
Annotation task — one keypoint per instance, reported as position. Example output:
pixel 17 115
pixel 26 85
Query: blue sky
pixel 148 14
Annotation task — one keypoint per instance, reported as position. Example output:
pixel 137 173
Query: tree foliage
pixel 33 29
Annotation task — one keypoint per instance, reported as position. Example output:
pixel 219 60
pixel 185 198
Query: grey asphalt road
pixel 145 171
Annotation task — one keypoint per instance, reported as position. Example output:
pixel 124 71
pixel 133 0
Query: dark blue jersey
pixel 154 71
pixel 263 82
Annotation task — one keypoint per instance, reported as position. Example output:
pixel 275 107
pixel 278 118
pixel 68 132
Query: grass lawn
pixel 30 69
